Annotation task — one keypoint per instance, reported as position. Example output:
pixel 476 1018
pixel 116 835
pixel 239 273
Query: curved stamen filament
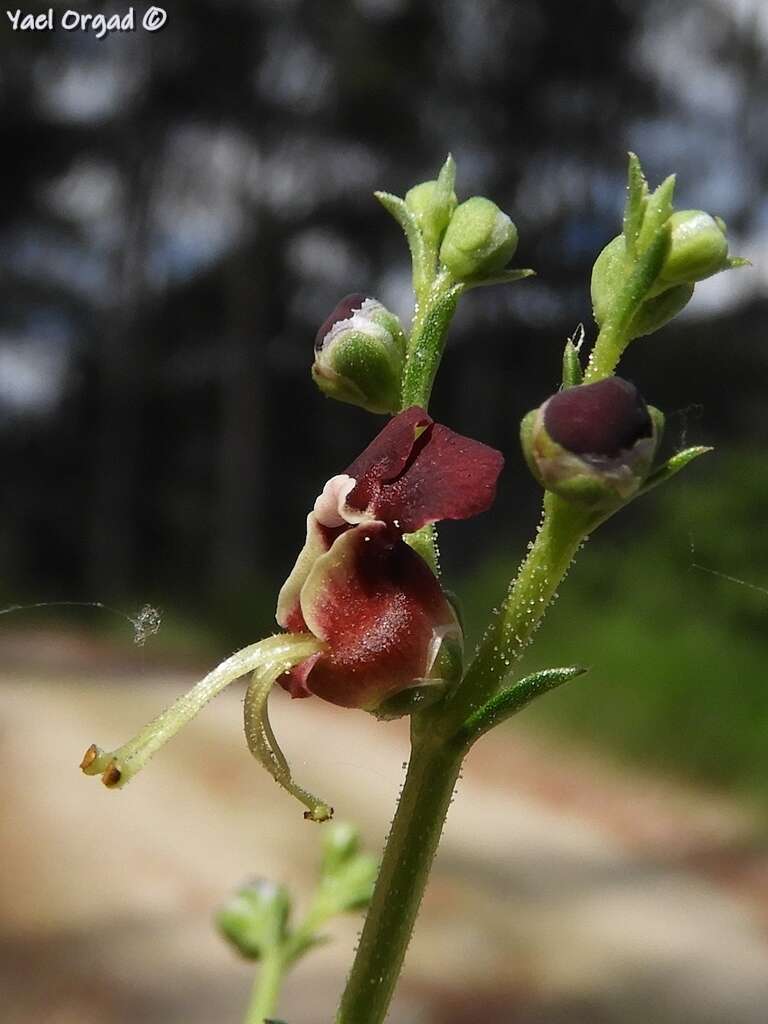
pixel 261 738
pixel 118 767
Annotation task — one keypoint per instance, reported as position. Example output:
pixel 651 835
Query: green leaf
pixel 673 466
pixel 513 699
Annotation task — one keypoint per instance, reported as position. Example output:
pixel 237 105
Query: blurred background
pixel 179 211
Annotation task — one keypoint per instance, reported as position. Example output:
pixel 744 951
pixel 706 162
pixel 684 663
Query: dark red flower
pixel 358 586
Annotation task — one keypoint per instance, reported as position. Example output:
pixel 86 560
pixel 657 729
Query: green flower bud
pixel 360 355
pixel 431 208
pixel 698 248
pixel 480 240
pixel 340 843
pixel 593 444
pixel 255 919
pixel 656 312
pixel 609 274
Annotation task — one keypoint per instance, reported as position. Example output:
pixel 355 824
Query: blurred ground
pixel 565 891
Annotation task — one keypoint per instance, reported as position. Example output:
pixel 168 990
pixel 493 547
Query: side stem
pixel 564 528
pixel 266 988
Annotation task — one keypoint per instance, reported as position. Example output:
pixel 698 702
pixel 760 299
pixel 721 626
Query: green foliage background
pixel 677 654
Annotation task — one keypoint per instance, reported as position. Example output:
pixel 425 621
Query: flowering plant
pixel 366 621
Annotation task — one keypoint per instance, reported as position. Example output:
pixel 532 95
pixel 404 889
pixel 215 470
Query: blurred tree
pixel 180 209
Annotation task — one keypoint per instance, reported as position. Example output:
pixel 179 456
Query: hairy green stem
pixel 410 850
pixel 563 530
pixel 434 310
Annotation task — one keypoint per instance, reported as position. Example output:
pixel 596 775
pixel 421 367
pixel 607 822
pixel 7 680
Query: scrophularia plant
pixel 366 622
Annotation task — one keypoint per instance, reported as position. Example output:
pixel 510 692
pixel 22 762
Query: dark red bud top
pixel 342 311
pixel 604 418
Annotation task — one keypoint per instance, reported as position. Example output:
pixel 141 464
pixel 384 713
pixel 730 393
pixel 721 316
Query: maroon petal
pixel 418 472
pixel 343 310
pixel 387 456
pixel 319 540
pixel 382 613
pixel 604 418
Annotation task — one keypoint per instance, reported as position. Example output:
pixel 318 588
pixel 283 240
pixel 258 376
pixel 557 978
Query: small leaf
pixel 673 466
pixel 513 699
pixel 738 261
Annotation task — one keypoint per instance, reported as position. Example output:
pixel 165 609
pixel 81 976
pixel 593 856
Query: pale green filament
pixel 269 658
pixel 261 738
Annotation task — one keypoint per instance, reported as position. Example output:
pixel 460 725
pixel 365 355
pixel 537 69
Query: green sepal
pixel 432 204
pixel 505 277
pixel 637 200
pixel 423 694
pixel 618 304
pixel 458 607
pixel 654 313
pixel 673 466
pixel 658 210
pixel 410 225
pixel 573 372
pixel 513 699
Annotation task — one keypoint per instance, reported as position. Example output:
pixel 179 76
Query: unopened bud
pixel 480 240
pixel 432 208
pixel 593 443
pixel 340 843
pixel 255 919
pixel 698 248
pixel 608 276
pixel 360 354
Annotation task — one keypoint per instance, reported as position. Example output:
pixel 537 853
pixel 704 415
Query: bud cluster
pixel 659 257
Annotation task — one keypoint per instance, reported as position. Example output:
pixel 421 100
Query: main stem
pixel 410 850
